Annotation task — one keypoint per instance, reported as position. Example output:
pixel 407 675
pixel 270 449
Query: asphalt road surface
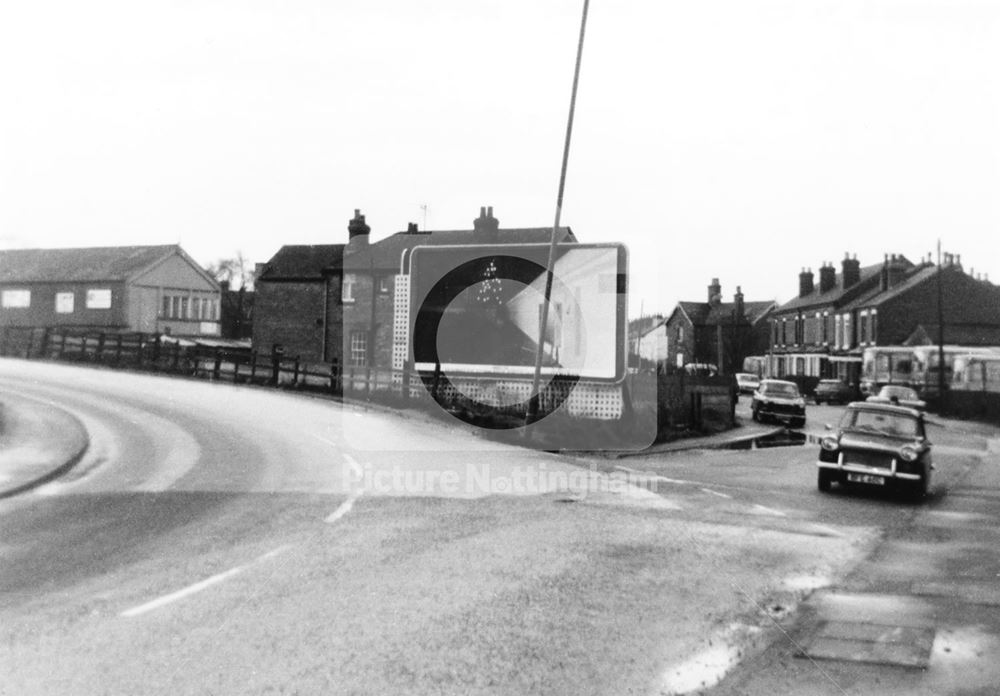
pixel 232 540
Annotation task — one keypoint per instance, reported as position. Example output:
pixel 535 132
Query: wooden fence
pixel 156 353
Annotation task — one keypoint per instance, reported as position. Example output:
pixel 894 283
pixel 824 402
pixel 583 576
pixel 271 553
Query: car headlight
pixel 909 453
pixel 829 443
pixel 800 402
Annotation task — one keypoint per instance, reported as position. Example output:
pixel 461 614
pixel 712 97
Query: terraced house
pixel 824 330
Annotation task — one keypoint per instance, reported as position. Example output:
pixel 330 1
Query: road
pixel 220 539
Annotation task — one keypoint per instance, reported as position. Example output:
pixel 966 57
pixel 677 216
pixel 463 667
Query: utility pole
pixel 532 414
pixel 940 308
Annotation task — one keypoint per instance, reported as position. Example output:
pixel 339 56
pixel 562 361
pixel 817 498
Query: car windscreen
pixel 893 424
pixel 789 390
pixel 900 393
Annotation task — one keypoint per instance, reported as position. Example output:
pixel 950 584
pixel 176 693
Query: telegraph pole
pixel 940 309
pixel 532 414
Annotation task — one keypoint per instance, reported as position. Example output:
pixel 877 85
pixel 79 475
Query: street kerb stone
pixel 900 646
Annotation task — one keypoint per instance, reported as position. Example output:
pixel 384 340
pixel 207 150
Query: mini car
pixel 900 395
pixel 833 391
pixel 747 382
pixel 779 400
pixel 877 444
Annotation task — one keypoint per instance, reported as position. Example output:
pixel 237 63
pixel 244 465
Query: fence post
pixel 118 348
pixel 275 363
pixel 333 375
pixel 4 330
pixel 62 346
pixel 30 344
pixel 44 349
pixel 437 380
pixel 177 356
pixel 101 338
pixel 253 366
pixel 216 368
pixel 295 375
pixel 156 350
pixel 139 346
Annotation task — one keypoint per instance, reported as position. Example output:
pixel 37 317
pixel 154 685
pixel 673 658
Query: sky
pixel 734 139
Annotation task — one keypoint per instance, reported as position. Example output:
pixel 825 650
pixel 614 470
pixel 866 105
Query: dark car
pixel 899 395
pixel 877 445
pixel 833 391
pixel 779 400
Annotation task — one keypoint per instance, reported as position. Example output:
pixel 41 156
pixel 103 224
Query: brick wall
pixel 965 300
pixel 291 314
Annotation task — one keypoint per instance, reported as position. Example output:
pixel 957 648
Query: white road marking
pixel 345 507
pixel 198 586
pixel 760 509
pixel 721 495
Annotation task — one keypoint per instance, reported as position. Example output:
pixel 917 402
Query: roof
pixel 85 264
pixel 302 262
pixel 837 294
pixel 386 253
pixel 705 314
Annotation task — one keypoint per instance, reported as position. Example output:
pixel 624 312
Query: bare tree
pixel 238 271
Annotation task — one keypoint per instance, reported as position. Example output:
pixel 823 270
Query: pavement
pixel 39 441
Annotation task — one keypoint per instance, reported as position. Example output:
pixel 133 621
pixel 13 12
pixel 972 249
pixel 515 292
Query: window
pixel 98 298
pixel 64 302
pixel 359 348
pixel 384 285
pixel 872 335
pixel 863 327
pixel 826 328
pixel 165 309
pixel 680 333
pixel 347 293
pixel 16 299
pixel 183 312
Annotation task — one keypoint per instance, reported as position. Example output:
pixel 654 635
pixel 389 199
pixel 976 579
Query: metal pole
pixel 940 308
pixel 532 415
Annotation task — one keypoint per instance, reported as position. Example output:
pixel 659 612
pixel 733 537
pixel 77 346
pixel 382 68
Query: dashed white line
pixel 760 509
pixel 198 586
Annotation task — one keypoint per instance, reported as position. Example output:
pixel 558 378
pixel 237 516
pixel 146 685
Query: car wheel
pixel 824 479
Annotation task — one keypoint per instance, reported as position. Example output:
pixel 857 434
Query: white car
pixel 747 382
pixel 899 395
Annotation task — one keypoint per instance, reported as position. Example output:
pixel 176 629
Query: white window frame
pixel 359 348
pixel 347 290
pixel 98 298
pixel 65 302
pixel 19 298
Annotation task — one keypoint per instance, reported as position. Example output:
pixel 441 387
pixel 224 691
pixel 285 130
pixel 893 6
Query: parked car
pixel 747 382
pixel 877 444
pixel 900 395
pixel 833 391
pixel 779 400
pixel 701 369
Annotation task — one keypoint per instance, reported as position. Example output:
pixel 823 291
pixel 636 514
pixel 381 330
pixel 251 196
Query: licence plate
pixel 866 478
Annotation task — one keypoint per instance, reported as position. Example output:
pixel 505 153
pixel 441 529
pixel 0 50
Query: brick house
pixel 716 332
pixel 153 289
pixel 297 302
pixel 370 269
pixel 824 331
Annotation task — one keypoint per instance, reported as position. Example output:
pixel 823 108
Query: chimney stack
pixel 850 271
pixel 740 306
pixel 486 225
pixel 714 292
pixel 805 282
pixel 357 230
pixel 827 277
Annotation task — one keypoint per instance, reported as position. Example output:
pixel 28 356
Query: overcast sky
pixel 720 138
